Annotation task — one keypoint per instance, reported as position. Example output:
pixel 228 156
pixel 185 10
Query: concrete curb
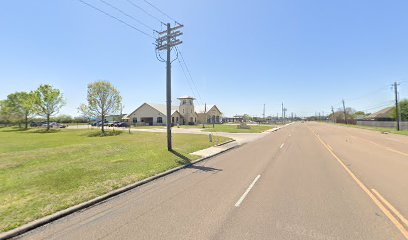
pixel 229 141
pixel 50 218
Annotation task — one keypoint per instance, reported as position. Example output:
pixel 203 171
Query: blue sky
pixel 241 54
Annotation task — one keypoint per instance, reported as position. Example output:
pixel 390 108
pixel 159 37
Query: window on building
pixel 183 110
pixel 191 119
pixel 134 120
pixel 172 119
pixel 176 119
pixel 184 101
pixel 159 120
pixel 195 119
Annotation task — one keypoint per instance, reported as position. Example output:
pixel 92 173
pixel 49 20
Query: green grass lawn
pixel 41 173
pixel 390 130
pixel 235 129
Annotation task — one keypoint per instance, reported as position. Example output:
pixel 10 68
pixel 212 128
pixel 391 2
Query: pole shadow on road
pixel 186 160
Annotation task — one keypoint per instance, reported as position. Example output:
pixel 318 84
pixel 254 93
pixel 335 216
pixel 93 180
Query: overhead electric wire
pixel 188 71
pixel 158 9
pixel 368 94
pixel 143 10
pixel 116 18
pixel 380 105
pixel 127 15
pixel 188 81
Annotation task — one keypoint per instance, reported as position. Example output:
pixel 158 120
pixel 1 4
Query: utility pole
pixel 166 41
pixel 397 105
pixel 205 114
pixel 344 110
pixel 333 114
pixel 282 113
pixel 263 113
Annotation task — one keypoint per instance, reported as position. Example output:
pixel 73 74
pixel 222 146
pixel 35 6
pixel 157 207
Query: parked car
pixel 113 124
pixel 122 124
pixel 54 125
pixel 36 124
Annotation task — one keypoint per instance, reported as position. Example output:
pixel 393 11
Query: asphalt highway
pixel 305 181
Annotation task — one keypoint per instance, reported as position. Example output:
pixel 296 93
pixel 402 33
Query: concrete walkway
pixel 240 138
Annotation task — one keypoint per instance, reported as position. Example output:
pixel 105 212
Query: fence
pixel 383 124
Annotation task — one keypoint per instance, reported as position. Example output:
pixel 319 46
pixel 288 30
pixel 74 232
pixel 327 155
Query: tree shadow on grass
pixel 105 134
pixel 42 131
pixel 15 129
pixel 186 160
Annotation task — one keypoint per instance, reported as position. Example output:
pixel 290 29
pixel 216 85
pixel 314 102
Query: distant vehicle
pixel 113 124
pixel 122 124
pixel 54 125
pixel 36 124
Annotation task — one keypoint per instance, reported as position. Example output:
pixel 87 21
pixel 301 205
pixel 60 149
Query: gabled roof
pixel 204 109
pixel 162 108
pixel 383 113
pixel 159 107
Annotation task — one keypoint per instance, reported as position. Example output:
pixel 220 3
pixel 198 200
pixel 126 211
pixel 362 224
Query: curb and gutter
pixel 63 213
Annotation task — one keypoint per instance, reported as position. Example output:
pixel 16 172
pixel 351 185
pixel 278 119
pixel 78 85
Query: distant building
pixel 385 114
pixel 184 114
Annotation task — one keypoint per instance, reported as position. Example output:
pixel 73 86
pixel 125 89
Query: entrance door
pixel 148 121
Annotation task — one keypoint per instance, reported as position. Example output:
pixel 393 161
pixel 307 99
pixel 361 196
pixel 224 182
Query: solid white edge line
pixel 237 204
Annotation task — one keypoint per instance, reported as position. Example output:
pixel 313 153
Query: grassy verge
pixel 41 173
pixel 378 129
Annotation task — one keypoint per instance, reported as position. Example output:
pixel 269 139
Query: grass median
pixel 42 173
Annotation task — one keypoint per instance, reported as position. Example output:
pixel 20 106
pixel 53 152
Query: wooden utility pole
pixel 344 110
pixel 263 112
pixel 397 106
pixel 333 117
pixel 166 41
pixel 282 114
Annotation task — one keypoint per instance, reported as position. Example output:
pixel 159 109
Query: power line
pixel 146 12
pixel 189 73
pixel 116 18
pixel 379 105
pixel 126 14
pixel 158 9
pixel 368 94
pixel 188 81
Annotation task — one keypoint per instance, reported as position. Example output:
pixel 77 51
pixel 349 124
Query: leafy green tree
pixel 103 99
pixel 403 105
pixel 5 112
pixel 47 102
pixel 21 106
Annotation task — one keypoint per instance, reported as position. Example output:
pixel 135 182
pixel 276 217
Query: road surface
pixel 305 181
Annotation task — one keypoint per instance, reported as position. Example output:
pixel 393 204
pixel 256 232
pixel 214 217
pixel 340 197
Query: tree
pixel 47 102
pixel 403 105
pixel 103 99
pixel 21 106
pixel 5 112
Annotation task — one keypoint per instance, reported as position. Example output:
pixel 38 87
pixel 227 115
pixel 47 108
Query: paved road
pixel 305 181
